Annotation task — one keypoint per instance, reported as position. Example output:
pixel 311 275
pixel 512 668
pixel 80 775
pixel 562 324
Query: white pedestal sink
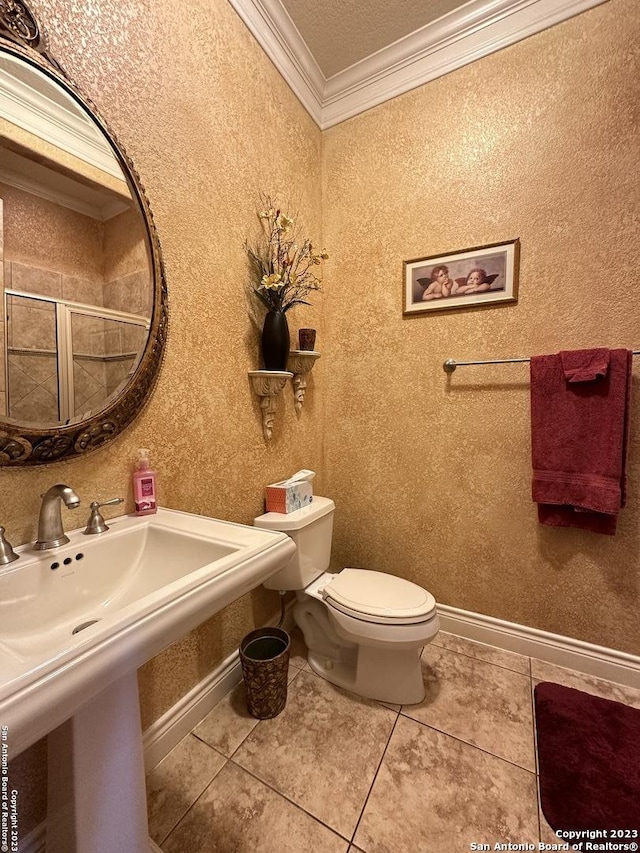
pixel 77 621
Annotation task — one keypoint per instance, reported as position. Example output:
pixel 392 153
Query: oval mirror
pixel 81 277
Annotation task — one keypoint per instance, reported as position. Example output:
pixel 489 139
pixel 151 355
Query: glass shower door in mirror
pixel 103 351
pixel 65 360
pixel 31 360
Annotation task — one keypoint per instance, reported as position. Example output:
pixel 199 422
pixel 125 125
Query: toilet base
pixel 388 673
pixel 383 674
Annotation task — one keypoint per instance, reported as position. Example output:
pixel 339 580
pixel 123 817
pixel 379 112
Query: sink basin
pixel 76 618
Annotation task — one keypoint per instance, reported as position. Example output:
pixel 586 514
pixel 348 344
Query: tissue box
pixel 283 497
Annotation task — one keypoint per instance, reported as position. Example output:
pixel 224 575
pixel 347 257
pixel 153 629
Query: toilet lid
pixel 375 594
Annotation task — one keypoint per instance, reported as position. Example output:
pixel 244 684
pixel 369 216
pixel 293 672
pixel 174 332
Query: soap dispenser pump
pixel 144 485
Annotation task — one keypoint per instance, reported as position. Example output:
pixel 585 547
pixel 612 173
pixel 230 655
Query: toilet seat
pixel 378 597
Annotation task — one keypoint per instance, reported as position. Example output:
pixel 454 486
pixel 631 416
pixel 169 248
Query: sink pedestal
pixel 97 801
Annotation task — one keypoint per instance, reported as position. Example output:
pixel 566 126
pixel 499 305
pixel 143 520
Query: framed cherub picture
pixel 485 275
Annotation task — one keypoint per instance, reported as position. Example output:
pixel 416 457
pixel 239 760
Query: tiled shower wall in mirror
pixel 108 270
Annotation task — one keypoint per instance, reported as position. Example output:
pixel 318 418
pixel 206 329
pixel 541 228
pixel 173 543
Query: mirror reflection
pixel 75 271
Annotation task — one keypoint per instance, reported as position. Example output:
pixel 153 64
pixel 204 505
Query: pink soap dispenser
pixel 144 485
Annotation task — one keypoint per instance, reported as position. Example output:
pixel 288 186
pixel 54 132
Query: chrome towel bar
pixel 451 363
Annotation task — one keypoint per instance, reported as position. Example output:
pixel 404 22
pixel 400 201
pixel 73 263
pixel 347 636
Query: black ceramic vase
pixel 275 341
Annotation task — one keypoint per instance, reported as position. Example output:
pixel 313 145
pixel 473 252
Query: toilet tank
pixel 311 528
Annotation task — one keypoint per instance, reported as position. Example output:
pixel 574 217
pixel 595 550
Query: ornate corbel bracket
pixel 267 384
pixel 301 363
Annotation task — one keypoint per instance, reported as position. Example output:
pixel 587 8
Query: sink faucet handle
pixel 110 502
pixel 7 554
pixel 96 523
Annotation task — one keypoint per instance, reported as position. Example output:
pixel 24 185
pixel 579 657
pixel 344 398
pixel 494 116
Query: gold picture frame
pixel 483 275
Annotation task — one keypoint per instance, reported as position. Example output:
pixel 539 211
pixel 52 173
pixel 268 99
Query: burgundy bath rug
pixel 589 761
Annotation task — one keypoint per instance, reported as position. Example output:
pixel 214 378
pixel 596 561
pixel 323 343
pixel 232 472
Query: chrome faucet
pixel 50 532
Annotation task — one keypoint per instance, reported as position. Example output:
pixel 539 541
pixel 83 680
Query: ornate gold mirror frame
pixel 21 36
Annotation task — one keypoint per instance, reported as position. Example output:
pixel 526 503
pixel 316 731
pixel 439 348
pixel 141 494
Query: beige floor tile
pixel 434 794
pixel 481 651
pixel 390 705
pixel 239 813
pixel 228 723
pixel 485 705
pixel 322 752
pixel 177 782
pixel 293 671
pixel 543 671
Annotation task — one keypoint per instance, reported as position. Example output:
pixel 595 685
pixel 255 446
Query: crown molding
pixel 278 36
pixel 72 132
pixel 101 209
pixel 477 29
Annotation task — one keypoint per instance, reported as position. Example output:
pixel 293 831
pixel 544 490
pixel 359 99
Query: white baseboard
pixel 161 736
pixel 610 664
pixel 620 667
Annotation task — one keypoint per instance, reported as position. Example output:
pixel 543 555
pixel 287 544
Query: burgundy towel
pixel 579 435
pixel 583 365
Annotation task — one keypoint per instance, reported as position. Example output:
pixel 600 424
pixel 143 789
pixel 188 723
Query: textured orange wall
pixel 431 476
pixel 208 122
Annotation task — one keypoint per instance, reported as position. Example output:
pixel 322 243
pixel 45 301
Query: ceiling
pixel 339 34
pixel 342 57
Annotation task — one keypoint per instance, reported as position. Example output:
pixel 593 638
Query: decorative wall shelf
pixel 267 384
pixel 301 363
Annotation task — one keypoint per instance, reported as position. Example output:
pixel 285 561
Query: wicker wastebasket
pixel 264 655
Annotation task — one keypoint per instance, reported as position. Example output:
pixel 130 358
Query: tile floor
pixel 335 773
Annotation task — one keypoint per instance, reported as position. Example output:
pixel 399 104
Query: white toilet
pixel 365 630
